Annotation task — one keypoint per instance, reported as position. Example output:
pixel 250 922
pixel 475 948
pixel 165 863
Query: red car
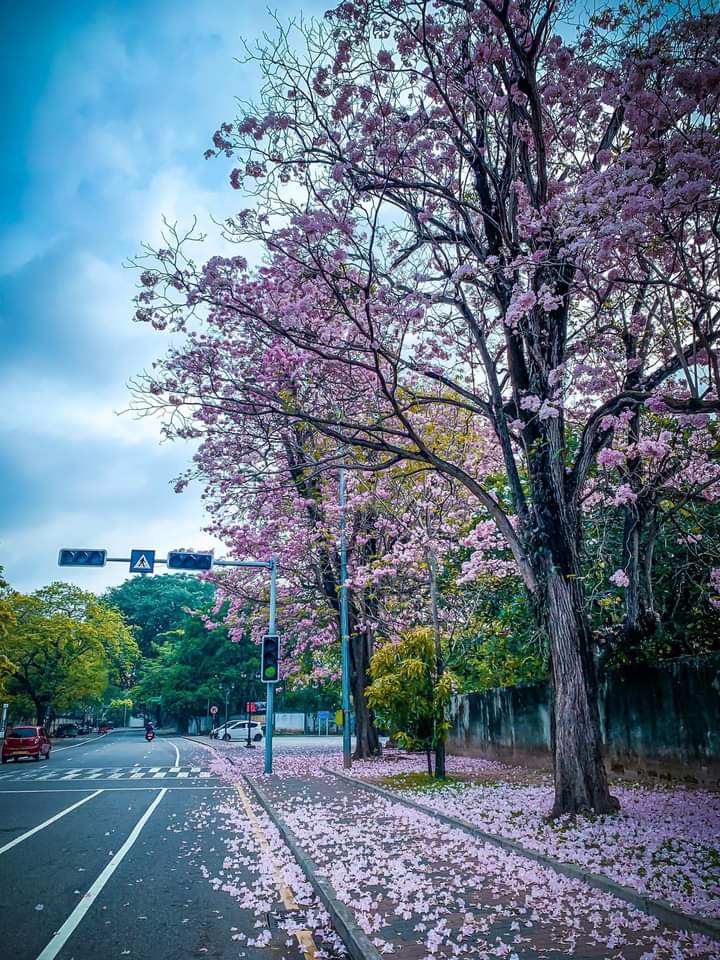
pixel 105 727
pixel 25 741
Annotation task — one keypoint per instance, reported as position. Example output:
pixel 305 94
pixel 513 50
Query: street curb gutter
pixel 659 909
pixel 355 939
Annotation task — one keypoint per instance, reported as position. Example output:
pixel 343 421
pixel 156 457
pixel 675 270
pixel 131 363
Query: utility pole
pixel 344 628
pixel 270 687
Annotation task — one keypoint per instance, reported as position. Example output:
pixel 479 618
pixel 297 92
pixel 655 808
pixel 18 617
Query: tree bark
pixel 367 742
pixel 581 783
pixel 440 772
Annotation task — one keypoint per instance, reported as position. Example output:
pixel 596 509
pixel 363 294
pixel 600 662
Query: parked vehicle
pixel 105 727
pixel 239 731
pixel 219 730
pixel 67 730
pixel 25 741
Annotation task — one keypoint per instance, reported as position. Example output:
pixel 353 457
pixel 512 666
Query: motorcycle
pixel 150 735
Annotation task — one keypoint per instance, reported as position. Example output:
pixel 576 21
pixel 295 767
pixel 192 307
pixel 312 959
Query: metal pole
pixel 344 629
pixel 270 687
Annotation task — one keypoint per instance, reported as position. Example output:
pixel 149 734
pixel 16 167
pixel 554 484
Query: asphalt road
pixel 107 850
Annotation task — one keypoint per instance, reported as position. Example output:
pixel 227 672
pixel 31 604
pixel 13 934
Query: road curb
pixel 660 909
pixel 352 935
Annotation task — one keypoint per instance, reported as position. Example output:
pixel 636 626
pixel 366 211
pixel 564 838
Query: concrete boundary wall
pixel 657 720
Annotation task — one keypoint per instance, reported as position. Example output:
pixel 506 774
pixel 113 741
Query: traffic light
pixel 182 560
pixel 82 558
pixel 270 658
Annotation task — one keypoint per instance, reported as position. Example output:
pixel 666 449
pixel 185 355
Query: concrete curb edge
pixel 355 939
pixel 659 909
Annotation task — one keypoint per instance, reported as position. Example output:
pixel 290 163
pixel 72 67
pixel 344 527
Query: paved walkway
pixel 422 890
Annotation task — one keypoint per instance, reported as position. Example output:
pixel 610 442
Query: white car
pixel 219 730
pixel 239 731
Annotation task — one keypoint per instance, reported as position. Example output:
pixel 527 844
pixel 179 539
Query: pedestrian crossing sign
pixel 142 561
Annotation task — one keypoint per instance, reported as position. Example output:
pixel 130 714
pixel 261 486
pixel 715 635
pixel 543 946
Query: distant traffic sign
pixel 142 561
pixel 213 709
pixel 250 707
pixel 72 557
pixel 323 714
pixel 185 560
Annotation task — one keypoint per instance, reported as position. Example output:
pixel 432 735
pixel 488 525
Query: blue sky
pixel 108 109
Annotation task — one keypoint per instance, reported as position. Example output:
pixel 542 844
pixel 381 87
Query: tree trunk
pixel 367 742
pixel 439 662
pixel 641 622
pixel 580 777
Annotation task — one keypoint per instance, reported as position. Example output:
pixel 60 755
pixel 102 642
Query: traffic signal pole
pixel 270 687
pixel 344 629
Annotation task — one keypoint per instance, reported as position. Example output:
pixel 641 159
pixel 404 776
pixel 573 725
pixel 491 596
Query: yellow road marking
pixel 304 937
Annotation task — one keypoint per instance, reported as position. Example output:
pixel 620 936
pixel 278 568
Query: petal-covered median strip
pixel 420 888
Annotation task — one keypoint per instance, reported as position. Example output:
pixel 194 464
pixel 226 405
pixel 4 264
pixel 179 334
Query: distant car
pixel 219 730
pixel 25 741
pixel 105 727
pixel 67 730
pixel 239 731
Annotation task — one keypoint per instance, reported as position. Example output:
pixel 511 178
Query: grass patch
pixel 421 782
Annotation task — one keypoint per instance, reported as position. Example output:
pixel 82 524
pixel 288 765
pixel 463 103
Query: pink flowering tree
pixel 473 211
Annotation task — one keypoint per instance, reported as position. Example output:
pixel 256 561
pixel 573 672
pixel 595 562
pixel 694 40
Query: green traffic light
pixel 270 671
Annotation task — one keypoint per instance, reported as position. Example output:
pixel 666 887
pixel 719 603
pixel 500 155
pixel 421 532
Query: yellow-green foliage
pixel 61 646
pixel 406 691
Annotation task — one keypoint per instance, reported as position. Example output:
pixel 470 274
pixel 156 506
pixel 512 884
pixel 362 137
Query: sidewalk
pixel 421 889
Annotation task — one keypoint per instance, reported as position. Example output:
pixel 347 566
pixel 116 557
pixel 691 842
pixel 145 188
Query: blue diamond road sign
pixel 142 561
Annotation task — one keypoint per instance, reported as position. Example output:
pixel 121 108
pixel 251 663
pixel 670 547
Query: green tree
pixel 61 648
pixel 407 691
pixel 154 605
pixel 191 665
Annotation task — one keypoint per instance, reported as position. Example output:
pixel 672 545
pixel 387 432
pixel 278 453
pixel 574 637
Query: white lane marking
pixel 159 775
pixel 177 753
pixel 115 789
pixel 174 769
pixel 80 743
pixel 183 774
pixel 46 823
pixel 67 929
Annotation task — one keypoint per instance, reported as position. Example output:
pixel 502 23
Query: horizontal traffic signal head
pixel 184 560
pixel 270 658
pixel 81 558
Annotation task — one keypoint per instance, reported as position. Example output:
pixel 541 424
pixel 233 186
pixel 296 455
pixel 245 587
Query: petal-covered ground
pixel 665 842
pixel 423 890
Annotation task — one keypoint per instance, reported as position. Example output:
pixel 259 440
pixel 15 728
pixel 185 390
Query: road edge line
pixel 46 823
pixel 357 942
pixel 61 936
pixel 660 909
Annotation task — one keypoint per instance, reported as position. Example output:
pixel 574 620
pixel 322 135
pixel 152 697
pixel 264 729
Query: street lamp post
pixel 344 628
